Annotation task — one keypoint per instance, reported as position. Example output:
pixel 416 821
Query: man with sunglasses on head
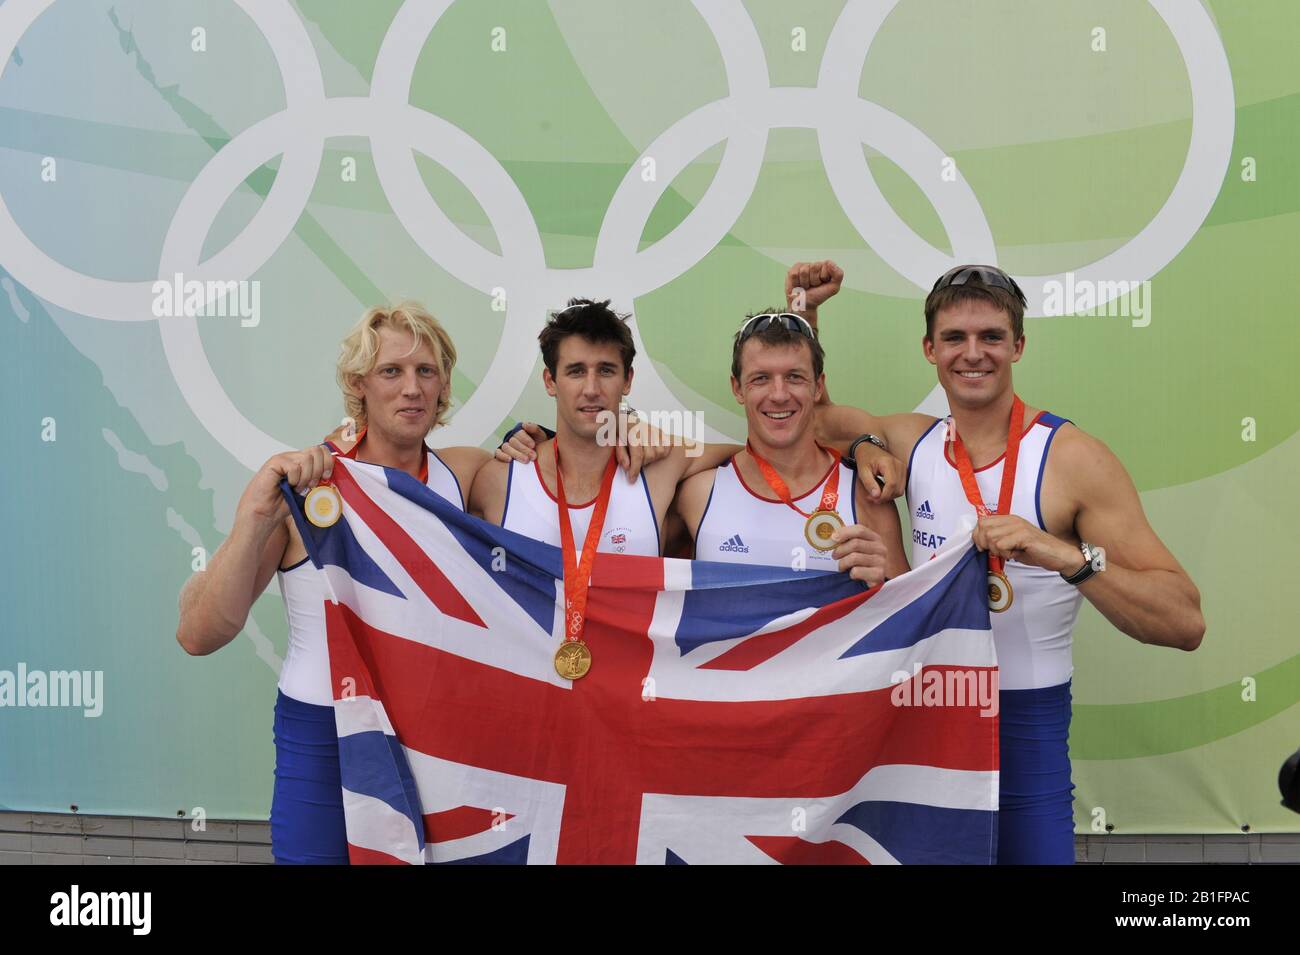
pixel 587 351
pixel 1060 519
pixel 786 500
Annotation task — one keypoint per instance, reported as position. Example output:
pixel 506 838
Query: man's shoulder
pixel 463 457
pixel 1084 463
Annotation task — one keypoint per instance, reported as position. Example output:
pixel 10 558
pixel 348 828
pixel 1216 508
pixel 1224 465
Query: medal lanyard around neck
pixel 577 574
pixel 351 454
pixel 967 471
pixel 830 496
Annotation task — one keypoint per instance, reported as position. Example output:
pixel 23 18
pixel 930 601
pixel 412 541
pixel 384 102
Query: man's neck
pixel 582 461
pixel 984 430
pixel 376 447
pixel 800 465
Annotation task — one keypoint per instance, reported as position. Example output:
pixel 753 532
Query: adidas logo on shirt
pixel 734 545
pixel 924 511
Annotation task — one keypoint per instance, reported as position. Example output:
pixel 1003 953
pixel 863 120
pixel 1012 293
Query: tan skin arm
pixel 487 497
pixel 688 510
pixel 1144 591
pixel 882 517
pixel 215 602
pixel 465 463
pixel 839 425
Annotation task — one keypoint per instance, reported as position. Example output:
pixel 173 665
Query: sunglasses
pixel 979 275
pixel 788 320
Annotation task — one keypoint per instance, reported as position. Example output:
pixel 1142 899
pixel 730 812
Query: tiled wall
pixel 64 839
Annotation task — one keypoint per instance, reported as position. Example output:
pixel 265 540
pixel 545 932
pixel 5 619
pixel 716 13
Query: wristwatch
pixel 878 442
pixel 1087 570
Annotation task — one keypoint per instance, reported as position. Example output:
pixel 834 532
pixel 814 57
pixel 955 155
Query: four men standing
pixel 1057 526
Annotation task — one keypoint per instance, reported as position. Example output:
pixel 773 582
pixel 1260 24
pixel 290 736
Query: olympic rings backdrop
pixel 492 158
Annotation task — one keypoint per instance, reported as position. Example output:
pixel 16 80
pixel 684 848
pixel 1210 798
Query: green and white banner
pixel 1133 163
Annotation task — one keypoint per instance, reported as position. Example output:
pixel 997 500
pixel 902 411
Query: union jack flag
pixel 732 714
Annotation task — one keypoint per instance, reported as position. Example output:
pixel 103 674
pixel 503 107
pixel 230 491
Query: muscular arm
pixel 882 517
pixel 838 425
pixel 1143 591
pixel 688 510
pixel 465 463
pixel 1087 495
pixel 487 497
pixel 215 602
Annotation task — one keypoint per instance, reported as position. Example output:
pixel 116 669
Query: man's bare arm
pixel 882 517
pixel 487 497
pixel 215 602
pixel 1143 591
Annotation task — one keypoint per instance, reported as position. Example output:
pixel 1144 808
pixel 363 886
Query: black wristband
pixel 878 442
pixel 519 427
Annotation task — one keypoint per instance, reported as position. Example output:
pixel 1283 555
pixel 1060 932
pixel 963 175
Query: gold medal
pixel 572 660
pixel 324 507
pixel 820 527
pixel 1000 593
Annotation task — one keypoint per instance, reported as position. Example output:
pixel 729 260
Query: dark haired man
pixel 1051 525
pixel 587 351
pixel 785 500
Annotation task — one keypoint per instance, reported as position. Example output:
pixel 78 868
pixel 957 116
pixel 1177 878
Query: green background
pixel 1070 152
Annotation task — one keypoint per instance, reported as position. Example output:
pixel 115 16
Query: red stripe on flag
pixel 349 673
pixel 791 850
pixel 460 822
pixel 750 653
pixel 359 856
pixel 440 591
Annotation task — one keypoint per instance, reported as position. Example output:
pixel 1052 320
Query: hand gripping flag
pixel 732 714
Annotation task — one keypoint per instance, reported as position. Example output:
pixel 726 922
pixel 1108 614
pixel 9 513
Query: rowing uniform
pixel 307 802
pixel 1032 637
pixel 532 510
pixel 742 526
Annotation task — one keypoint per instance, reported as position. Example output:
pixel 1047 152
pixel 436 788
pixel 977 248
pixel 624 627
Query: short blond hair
pixel 359 352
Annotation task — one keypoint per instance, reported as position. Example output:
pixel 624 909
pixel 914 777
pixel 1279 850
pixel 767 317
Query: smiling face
pixel 402 391
pixel 778 390
pixel 589 379
pixel 973 350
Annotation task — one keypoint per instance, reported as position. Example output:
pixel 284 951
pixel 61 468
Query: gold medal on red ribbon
pixel 1001 595
pixel 573 658
pixel 823 522
pixel 820 529
pixel 324 506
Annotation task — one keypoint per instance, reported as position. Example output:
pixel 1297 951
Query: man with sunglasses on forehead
pixel 1060 519
pixel 785 500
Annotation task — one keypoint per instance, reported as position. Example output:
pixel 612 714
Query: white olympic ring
pixel 752 107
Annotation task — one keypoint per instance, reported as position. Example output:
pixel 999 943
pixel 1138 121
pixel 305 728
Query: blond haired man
pixel 394 371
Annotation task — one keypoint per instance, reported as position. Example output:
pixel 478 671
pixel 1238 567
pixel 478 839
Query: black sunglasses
pixel 982 275
pixel 789 320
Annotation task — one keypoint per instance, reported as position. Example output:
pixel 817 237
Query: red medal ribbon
pixel 830 496
pixel 577 574
pixel 351 454
pixel 967 471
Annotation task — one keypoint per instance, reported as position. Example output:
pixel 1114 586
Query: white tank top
pixel 740 526
pixel 305 675
pixel 630 523
pixel 1033 636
